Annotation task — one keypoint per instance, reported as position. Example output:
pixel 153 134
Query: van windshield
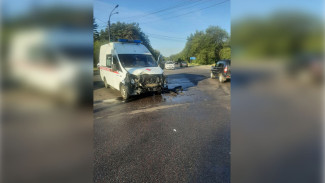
pixel 137 60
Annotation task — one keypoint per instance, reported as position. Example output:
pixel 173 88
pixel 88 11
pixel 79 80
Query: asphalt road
pixel 173 137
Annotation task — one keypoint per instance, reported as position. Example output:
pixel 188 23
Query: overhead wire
pixel 183 8
pixel 175 6
pixel 213 5
pixel 182 3
pixel 157 36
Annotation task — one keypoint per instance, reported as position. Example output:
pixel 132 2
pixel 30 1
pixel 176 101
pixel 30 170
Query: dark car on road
pixel 221 70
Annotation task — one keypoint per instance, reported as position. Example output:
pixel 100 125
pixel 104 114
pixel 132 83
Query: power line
pixel 100 20
pixel 188 12
pixel 162 10
pixel 166 9
pixel 164 36
pixel 172 17
pixel 167 13
pixel 167 39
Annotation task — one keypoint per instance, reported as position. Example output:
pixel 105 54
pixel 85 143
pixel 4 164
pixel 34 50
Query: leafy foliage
pixel 207 46
pixel 95 32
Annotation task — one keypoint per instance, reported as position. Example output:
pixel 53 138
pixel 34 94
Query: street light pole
pixel 109 23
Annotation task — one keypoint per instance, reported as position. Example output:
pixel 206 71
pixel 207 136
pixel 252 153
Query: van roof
pixel 129 48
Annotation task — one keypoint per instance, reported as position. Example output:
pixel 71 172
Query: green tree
pixel 95 31
pixel 225 53
pixel 207 46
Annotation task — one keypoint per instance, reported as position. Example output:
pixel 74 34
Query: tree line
pixel 207 46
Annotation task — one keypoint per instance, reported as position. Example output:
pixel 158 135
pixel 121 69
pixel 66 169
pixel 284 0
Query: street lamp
pixel 109 23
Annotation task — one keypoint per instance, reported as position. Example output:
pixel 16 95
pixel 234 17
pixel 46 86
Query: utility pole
pixel 109 23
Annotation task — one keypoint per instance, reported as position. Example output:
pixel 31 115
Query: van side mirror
pixel 114 68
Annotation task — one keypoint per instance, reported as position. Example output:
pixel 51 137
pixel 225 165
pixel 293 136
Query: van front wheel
pixel 212 75
pixel 124 92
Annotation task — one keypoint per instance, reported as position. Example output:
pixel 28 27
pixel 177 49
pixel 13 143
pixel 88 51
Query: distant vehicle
pixel 128 66
pixel 221 70
pixel 183 64
pixel 169 65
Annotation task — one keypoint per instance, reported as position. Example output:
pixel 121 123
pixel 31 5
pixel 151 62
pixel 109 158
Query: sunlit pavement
pixel 173 137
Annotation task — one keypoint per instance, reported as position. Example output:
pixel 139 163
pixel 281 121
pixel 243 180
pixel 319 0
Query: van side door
pixel 117 74
pixel 106 70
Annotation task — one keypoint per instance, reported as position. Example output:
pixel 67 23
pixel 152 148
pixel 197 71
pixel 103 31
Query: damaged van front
pixel 128 66
pixel 143 74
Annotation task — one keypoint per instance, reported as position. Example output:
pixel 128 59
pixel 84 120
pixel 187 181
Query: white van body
pixel 130 65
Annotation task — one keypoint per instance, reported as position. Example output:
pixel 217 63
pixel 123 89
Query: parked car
pixel 169 65
pixel 128 66
pixel 183 64
pixel 221 70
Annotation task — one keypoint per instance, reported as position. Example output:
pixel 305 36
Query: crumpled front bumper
pixel 146 83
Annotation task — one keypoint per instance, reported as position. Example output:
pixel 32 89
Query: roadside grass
pixel 197 64
pixel 193 64
pixel 95 69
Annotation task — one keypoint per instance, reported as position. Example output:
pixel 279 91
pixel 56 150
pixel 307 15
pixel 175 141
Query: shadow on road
pixel 184 80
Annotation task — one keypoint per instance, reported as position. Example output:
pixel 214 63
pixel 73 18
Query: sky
pixel 167 23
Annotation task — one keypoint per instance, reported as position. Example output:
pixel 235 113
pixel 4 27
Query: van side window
pixel 115 61
pixel 108 60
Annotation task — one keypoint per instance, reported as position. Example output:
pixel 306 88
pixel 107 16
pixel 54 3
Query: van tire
pixel 124 92
pixel 105 83
pixel 221 78
pixel 212 76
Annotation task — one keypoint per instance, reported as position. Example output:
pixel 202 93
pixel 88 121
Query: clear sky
pixel 168 22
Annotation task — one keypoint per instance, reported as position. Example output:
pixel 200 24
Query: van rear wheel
pixel 222 79
pixel 124 92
